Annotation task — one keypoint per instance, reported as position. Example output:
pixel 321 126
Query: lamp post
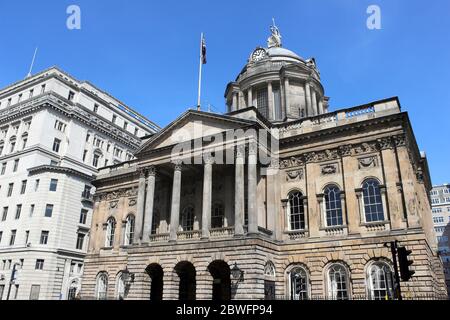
pixel 128 279
pixel 236 273
pixel 12 279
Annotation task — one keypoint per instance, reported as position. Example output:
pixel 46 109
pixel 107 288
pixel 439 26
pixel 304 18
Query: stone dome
pixel 283 54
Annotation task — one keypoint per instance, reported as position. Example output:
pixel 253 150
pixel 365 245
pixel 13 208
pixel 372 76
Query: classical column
pixel 286 97
pixel 207 197
pixel 314 102
pixel 175 209
pixel 239 205
pixel 235 103
pixel 250 97
pixel 140 208
pixel 148 219
pixel 252 177
pixel 321 111
pixel 309 111
pixel 270 102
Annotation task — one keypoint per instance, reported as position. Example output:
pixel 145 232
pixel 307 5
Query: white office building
pixel 55 131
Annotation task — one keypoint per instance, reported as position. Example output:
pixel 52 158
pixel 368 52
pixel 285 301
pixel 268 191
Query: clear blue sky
pixel 146 52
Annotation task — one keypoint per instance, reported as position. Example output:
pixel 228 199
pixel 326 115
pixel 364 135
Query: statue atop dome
pixel 274 40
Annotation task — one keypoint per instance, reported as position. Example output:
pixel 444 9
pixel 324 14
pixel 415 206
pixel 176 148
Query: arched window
pixel 373 205
pixel 380 281
pixel 187 219
pixel 333 206
pixel 298 284
pixel 269 269
pixel 102 286
pixel 110 231
pixel 73 290
pixel 337 282
pixel 129 230
pixel 121 290
pixel 296 211
pixel 217 216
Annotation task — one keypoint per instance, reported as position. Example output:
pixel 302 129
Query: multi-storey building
pixel 277 198
pixel 440 202
pixel 55 132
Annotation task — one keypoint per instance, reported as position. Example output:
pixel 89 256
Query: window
pixel 9 102
pixel 36 185
pixel 18 211
pixel 27 236
pixel 88 136
pixel 187 219
pixel 24 142
pixel 95 108
pixel 5 213
pixel 296 211
pixel 16 291
pixel 10 189
pixel 80 241
pixel 53 184
pixel 437 210
pixel 333 208
pixel 298 284
pixel 262 101
pixel 2 289
pixel 56 145
pixel 337 282
pixel 12 240
pixel 125 125
pixel 43 88
pixel 155 221
pixel 129 230
pixel 31 210
pixel 110 231
pixel 48 210
pixel 136 131
pixel 435 201
pixel 72 291
pixel 16 165
pixel 3 168
pixel 1 235
pixel 44 237
pixel 60 126
pixel 23 188
pixel 373 206
pixel 380 281
pixel 71 95
pixel 31 94
pixel 84 155
pixel 102 286
pixel 39 264
pixel 19 98
pixel 217 216
pixel 121 290
pixel 34 293
pixel 438 219
pixel 83 216
pixel 439 229
pixel 95 160
pixel 12 146
pixel 114 119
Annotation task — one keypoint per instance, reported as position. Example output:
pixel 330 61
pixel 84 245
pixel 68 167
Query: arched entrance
pixel 187 285
pixel 220 272
pixel 156 274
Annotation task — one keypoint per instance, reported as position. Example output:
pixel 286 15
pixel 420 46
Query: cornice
pixel 63 170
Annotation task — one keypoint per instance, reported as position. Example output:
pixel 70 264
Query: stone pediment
pixel 193 125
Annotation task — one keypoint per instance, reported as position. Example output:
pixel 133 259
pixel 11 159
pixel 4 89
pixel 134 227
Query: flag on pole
pixel 203 50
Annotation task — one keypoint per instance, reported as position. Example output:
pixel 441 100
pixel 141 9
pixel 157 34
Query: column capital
pixel 142 172
pixel 151 170
pixel 240 151
pixel 252 148
pixel 208 159
pixel 178 165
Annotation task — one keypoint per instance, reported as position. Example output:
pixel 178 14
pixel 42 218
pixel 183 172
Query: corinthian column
pixel 175 209
pixel 140 208
pixel 148 218
pixel 239 205
pixel 207 196
pixel 309 109
pixel 252 176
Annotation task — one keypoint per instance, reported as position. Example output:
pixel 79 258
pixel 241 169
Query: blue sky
pixel 146 52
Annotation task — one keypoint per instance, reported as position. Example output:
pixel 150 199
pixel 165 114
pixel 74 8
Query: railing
pixel 405 296
pixel 87 196
pixel 162 237
pixel 375 226
pixel 188 235
pixel 222 232
pixel 359 111
pixel 334 231
pixel 298 234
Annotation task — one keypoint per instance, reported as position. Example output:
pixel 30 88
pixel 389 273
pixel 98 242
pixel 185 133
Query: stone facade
pixel 305 214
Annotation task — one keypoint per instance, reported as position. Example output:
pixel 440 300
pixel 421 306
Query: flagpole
pixel 200 72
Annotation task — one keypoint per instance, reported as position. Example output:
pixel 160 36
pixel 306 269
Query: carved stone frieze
pixel 368 162
pixel 294 175
pixel 331 168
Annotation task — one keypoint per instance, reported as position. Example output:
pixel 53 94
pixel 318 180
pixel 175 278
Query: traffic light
pixel 404 262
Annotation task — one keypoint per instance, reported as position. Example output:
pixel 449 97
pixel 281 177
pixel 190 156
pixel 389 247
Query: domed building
pixel 276 199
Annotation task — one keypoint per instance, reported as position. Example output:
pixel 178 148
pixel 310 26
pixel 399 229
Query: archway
pixel 187 285
pixel 156 273
pixel 220 272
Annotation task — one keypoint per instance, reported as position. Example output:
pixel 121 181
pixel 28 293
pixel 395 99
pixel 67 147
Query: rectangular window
pixel 262 101
pixel 39 264
pixel 49 210
pixel 16 291
pixel 2 289
pixel 53 184
pixel 24 143
pixel 83 216
pixel 31 94
pixel 36 185
pixel 3 168
pixel 9 102
pixel 31 210
pixel 56 145
pixel 125 125
pixel 5 213
pixel 95 108
pixel 95 160
pixel 106 162
pixel 10 189
pixel 44 237
pixel 60 126
pixel 12 146
pixel 18 211
pixel 1 236
pixel 16 165
pixel 71 95
pixel 42 88
pixel 34 293
pixel 114 119
pixel 19 98
pixel 12 240
pixel 80 241
pixel 84 155
pixel 27 237
pixel 23 188
pixel 136 131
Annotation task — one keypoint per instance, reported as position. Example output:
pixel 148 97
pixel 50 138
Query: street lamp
pixel 128 277
pixel 12 279
pixel 236 273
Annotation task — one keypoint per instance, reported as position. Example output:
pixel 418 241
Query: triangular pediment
pixel 193 125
